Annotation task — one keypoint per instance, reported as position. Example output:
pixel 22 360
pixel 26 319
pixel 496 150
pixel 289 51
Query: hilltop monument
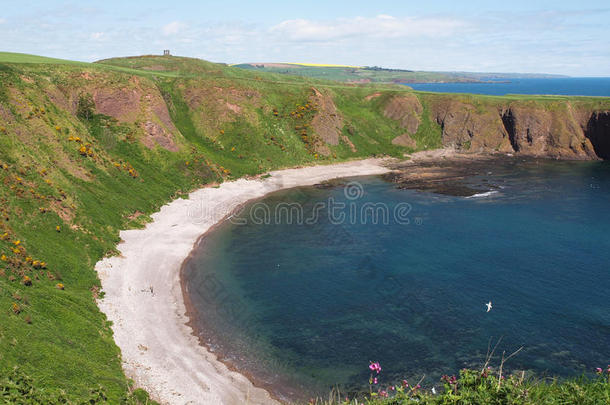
pixel 166 52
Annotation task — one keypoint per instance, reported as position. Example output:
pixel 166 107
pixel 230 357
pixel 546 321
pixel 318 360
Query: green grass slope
pixel 12 57
pixel 89 149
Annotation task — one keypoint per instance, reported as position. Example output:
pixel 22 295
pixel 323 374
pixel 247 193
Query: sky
pixel 561 37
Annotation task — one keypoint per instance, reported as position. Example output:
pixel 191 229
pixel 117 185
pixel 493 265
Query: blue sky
pixel 564 37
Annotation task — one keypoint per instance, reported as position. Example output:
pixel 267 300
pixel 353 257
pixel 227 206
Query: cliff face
pixel 558 128
pixel 598 133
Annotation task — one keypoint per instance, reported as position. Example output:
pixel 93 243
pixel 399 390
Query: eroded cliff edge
pixel 554 127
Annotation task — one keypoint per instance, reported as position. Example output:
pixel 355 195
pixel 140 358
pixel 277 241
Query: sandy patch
pixel 143 294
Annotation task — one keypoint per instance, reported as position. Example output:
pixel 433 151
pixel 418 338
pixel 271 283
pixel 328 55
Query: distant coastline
pixel 565 86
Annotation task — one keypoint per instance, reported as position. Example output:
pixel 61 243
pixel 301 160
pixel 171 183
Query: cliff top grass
pixel 177 66
pixel 12 57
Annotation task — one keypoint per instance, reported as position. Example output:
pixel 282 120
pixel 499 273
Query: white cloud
pixel 381 26
pixel 565 41
pixel 173 28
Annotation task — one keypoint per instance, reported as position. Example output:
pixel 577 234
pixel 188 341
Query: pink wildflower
pixel 375 367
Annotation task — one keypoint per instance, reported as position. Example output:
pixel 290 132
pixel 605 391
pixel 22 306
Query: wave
pixel 485 194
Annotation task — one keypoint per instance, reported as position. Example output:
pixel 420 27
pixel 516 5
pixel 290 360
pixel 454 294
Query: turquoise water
pixel 573 86
pixel 305 307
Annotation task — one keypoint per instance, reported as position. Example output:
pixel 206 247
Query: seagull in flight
pixel 488 305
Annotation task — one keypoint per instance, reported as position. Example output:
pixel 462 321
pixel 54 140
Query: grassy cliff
pixel 89 149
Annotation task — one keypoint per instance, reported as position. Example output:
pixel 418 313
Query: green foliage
pixel 85 107
pixel 488 387
pixel 18 388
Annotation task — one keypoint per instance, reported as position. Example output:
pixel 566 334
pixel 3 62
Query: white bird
pixel 433 390
pixel 488 305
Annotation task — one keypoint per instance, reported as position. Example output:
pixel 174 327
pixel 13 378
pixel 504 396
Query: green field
pixel 358 74
pixel 363 74
pixel 87 150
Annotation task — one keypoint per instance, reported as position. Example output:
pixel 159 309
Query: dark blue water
pixel 304 307
pixel 578 86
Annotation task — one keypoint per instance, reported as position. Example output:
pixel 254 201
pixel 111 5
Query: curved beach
pixel 144 300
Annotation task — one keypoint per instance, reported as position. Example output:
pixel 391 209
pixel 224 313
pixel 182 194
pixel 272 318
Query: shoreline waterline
pixel 145 300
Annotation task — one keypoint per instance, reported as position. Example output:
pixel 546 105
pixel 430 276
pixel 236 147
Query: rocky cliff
pixel 557 127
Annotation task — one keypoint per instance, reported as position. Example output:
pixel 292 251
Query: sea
pixel 572 86
pixel 302 289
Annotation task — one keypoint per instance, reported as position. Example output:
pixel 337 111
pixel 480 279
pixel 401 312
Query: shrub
pixel 86 107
